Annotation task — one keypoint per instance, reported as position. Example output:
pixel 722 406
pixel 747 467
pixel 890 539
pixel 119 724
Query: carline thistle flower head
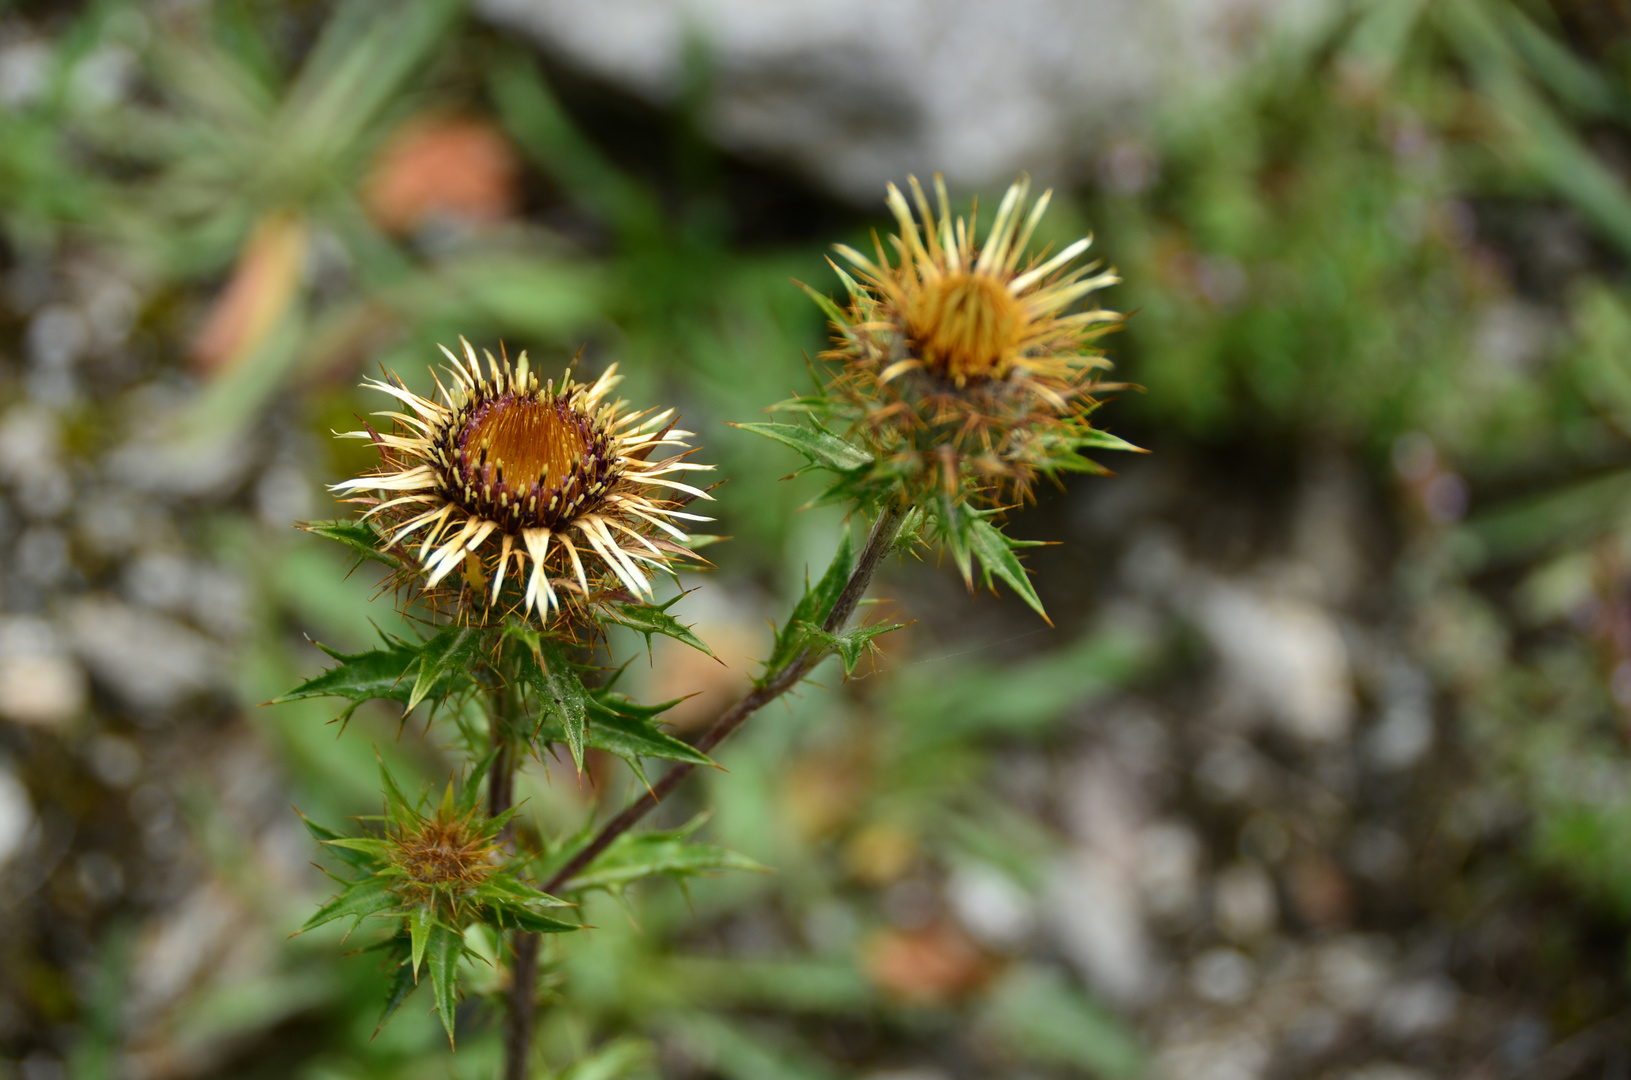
pixel 961 363
pixel 551 476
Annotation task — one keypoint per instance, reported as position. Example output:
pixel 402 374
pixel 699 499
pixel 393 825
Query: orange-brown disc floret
pixel 548 477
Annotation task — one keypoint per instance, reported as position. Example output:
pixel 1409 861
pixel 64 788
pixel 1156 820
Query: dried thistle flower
pixel 504 462
pixel 961 365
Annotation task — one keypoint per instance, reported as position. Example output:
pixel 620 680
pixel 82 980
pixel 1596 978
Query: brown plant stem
pixel 519 1003
pixel 524 972
pixel 878 543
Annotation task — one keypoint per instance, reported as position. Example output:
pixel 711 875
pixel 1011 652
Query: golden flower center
pixel 965 326
pixel 524 440
pixel 524 461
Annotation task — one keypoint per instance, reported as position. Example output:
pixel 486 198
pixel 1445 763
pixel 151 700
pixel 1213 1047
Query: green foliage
pixel 660 853
pixel 969 535
pixel 432 876
pixel 817 445
pixel 440 667
pixel 568 712
pixel 360 536
pixel 563 703
pixel 621 727
pixel 650 619
pixel 812 609
pixel 851 645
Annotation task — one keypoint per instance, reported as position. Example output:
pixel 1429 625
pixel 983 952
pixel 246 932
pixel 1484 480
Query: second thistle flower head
pixel 964 364
pixel 550 475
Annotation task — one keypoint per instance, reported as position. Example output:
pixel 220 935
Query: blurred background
pixel 1322 771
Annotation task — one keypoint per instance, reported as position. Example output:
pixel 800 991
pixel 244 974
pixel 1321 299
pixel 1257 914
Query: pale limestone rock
pixel 855 93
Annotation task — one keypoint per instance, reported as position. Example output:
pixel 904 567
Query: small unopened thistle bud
pixel 550 476
pixel 440 860
pixel 968 367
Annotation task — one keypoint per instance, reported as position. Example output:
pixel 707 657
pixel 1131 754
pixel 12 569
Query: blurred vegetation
pixel 1401 236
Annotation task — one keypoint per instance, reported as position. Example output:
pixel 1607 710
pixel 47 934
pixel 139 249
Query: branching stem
pixel 878 543
pixel 505 733
pixel 518 1031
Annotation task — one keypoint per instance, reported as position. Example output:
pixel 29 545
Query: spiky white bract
pixel 501 467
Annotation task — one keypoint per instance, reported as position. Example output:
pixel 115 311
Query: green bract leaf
pixel 632 738
pixel 520 918
pixel 565 702
pixel 649 619
pixel 359 536
pixel 323 835
pixel 444 949
pixel 850 645
pixel 504 889
pixel 813 607
pixel 1103 440
pixel 444 660
pixel 374 850
pixel 819 447
pixel 369 896
pixel 402 984
pixel 420 921
pixel 379 673
pixel 633 856
pixel 996 555
pixel 834 313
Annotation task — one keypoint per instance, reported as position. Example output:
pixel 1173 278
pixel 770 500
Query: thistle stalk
pixel 879 541
pixel 505 736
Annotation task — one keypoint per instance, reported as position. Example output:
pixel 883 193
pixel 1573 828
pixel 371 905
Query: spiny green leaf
pixel 420 921
pixel 850 645
pixel 445 660
pixel 359 536
pixel 832 582
pixel 602 701
pixel 520 918
pixel 443 950
pixel 470 792
pixel 819 447
pixel 323 835
pixel 813 607
pixel 360 899
pixel 376 850
pixel 834 314
pixel 1103 440
pixel 504 889
pixel 631 737
pixel 640 855
pixel 402 984
pixel 397 807
pixel 996 555
pixel 565 701
pixel 649 619
pixel 379 673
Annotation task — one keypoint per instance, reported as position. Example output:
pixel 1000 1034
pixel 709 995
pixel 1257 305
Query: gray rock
pixel 39 683
pixel 858 93
pixel 154 663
